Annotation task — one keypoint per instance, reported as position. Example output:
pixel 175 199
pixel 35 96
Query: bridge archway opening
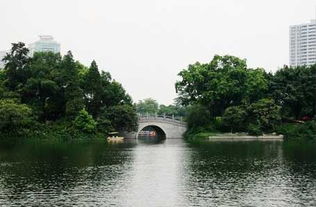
pixel 151 132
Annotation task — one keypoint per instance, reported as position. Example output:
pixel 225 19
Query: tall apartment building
pixel 303 44
pixel 46 43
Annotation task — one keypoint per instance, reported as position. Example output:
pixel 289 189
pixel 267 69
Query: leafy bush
pixel 234 118
pixel 194 133
pixel 266 113
pixel 198 116
pixel 293 131
pixel 218 123
pixel 104 126
pixel 254 129
pixel 123 117
pixel 14 117
pixel 84 122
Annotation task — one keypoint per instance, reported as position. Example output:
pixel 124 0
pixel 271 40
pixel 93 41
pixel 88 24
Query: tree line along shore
pixel 49 95
pixel 227 96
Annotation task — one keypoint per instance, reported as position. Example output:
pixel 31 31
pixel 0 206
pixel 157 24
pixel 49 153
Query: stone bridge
pixel 165 126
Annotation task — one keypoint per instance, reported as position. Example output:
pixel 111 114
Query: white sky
pixel 145 43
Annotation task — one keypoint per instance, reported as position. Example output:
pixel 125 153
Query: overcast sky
pixel 145 43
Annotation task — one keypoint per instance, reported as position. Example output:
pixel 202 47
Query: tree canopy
pixel 248 99
pixel 52 87
pixel 225 81
pixel 151 107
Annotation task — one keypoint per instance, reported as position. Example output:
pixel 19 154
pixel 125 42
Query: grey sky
pixel 145 43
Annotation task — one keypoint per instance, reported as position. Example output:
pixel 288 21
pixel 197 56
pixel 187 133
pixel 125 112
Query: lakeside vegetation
pixel 227 96
pixel 53 96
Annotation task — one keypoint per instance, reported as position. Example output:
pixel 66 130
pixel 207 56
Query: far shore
pixel 244 137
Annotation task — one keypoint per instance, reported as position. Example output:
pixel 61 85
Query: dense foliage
pixel 147 106
pixel 151 107
pixel 235 118
pixel 198 116
pixel 294 88
pixel 298 131
pixel 224 82
pixel 84 122
pixel 241 99
pixel 14 117
pixel 52 88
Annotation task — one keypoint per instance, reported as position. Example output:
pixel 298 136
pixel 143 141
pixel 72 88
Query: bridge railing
pixel 164 117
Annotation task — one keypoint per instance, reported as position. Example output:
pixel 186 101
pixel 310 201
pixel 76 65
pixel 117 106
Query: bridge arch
pixel 160 133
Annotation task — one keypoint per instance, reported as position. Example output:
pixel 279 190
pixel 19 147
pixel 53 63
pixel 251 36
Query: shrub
pixel 198 116
pixel 291 131
pixel 218 123
pixel 254 129
pixel 266 112
pixel 234 118
pixel 14 117
pixel 104 126
pixel 84 122
pixel 123 117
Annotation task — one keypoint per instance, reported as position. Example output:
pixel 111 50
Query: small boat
pixel 114 137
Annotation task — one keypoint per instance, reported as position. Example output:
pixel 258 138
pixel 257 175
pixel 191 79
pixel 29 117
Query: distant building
pixel 303 44
pixel 46 43
pixel 2 54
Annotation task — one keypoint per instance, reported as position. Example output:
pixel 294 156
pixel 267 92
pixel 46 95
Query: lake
pixel 158 173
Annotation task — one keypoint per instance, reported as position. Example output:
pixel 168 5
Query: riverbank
pixel 287 132
pixel 245 137
pixel 211 136
pixel 53 132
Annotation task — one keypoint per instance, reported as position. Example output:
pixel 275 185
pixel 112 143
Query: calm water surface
pixel 166 173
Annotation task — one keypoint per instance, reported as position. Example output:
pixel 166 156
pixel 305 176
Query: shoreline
pixel 236 137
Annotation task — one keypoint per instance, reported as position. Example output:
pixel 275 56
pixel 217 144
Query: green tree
pixel 265 113
pixel 104 125
pixel 122 117
pixel 16 66
pixel 41 91
pixel 170 110
pixel 225 81
pixel 84 122
pixel 147 105
pixel 167 110
pixel 14 117
pixel 198 117
pixel 294 88
pixel 93 89
pixel 70 83
pixel 235 118
pixel 57 88
pixel 113 92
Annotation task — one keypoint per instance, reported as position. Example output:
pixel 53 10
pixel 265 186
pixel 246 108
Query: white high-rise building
pixel 303 44
pixel 45 44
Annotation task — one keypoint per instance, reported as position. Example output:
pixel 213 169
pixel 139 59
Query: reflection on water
pixel 158 173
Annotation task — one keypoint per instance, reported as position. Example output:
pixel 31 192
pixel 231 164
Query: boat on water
pixel 114 137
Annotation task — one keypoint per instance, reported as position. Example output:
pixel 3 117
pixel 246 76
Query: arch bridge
pixel 169 127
